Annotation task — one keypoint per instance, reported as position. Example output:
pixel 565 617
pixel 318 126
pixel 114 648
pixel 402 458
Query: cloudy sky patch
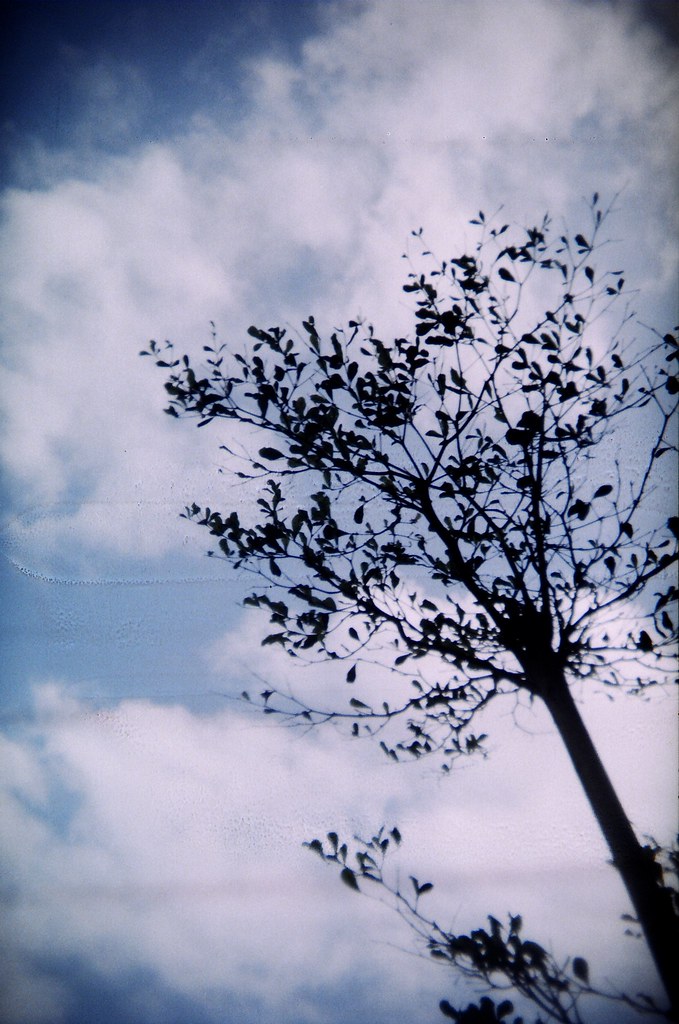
pixel 168 165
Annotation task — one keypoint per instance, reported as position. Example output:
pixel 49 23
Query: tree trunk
pixel 651 904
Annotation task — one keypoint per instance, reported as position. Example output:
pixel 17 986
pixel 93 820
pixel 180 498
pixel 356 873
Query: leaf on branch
pixel 644 643
pixel 349 878
pixel 580 509
pixel 505 274
pixel 602 491
pixel 581 969
pixel 531 421
pixel 270 453
pixel 419 889
pixel 667 622
pixel 351 674
pixel 274 638
pixel 520 437
pixel 317 846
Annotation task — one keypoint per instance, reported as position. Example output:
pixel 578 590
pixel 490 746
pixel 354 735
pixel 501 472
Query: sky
pixel 165 165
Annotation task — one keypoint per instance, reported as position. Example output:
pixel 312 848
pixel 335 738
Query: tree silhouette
pixel 459 498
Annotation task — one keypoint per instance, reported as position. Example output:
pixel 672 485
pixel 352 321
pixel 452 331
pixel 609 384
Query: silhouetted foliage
pixel 460 497
pixel 496 956
pixel 485 1013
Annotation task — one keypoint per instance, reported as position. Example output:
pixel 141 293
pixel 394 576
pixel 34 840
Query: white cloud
pixel 183 853
pixel 396 115
pixel 146 835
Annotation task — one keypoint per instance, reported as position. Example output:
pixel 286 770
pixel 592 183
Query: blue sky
pixel 169 164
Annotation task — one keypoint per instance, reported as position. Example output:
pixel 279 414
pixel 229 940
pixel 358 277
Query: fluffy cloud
pixel 395 115
pixel 178 849
pixel 147 837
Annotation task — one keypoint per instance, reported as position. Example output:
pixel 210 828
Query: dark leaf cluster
pixel 445 502
pixel 497 956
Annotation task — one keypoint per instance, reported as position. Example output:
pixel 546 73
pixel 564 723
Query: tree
pixel 462 504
